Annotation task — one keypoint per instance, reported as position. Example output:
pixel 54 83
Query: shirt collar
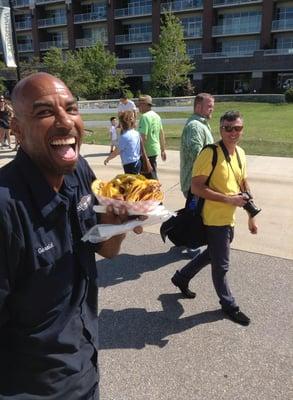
pixel 45 198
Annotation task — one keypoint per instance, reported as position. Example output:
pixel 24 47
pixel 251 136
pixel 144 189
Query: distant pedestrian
pixel 6 113
pixel 128 144
pixel 113 134
pixel 152 133
pixel 196 134
pixel 126 105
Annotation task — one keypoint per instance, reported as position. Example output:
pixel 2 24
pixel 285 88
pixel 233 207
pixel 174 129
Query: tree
pixel 101 64
pixel 2 79
pixel 89 72
pixel 171 61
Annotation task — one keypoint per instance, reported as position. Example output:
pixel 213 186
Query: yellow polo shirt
pixel 223 180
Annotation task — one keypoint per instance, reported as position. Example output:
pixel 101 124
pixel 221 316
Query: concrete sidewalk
pixel 271 181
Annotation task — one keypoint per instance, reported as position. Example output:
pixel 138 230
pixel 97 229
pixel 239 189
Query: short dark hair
pixel 230 116
pixel 112 118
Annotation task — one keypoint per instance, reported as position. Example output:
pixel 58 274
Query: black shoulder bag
pixel 186 228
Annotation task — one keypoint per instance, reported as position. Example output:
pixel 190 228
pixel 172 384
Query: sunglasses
pixel 228 128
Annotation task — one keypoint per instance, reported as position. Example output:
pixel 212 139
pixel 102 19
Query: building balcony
pixel 228 54
pixel 192 33
pixel 134 60
pixel 54 21
pixel 224 3
pixel 182 5
pixel 133 38
pixel 89 42
pixel 100 15
pixel 48 1
pixel 240 29
pixel 21 3
pixel 24 47
pixel 60 44
pixel 282 24
pixel 134 10
pixel 23 25
pixel 278 52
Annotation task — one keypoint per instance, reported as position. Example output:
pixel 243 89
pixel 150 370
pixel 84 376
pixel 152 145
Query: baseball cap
pixel 146 99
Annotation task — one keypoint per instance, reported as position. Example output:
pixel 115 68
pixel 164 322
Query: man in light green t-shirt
pixel 152 133
pixel 225 192
pixel 195 135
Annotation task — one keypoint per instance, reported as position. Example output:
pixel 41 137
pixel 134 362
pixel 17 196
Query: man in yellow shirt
pixel 225 192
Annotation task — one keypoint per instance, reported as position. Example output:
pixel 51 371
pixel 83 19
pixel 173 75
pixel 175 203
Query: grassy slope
pixel 268 128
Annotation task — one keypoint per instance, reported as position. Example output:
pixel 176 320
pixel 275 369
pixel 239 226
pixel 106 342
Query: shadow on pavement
pixel 127 267
pixel 134 328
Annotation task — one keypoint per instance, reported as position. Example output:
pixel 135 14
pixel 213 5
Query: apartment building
pixel 238 46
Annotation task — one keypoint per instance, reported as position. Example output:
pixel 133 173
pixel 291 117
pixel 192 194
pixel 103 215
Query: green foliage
pixel 28 68
pixel 100 64
pixel 89 72
pixel 171 61
pixel 289 95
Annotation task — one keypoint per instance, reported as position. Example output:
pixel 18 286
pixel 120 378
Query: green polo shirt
pixel 196 134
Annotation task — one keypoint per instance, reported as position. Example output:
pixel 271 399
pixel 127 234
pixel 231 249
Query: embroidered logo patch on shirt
pixel 84 203
pixel 47 247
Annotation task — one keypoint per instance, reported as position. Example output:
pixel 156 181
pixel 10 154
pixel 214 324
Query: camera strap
pixel 228 160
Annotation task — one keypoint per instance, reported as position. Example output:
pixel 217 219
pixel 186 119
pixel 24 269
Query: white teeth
pixel 63 142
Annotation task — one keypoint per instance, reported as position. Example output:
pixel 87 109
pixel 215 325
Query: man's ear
pixel 15 127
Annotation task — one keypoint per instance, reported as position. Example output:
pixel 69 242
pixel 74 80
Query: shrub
pixel 289 95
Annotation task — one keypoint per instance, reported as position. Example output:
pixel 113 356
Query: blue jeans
pixel 217 253
pixel 132 168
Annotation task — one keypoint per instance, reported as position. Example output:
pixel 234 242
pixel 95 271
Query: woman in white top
pixel 128 144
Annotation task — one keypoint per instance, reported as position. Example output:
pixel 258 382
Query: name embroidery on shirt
pixel 84 203
pixel 48 246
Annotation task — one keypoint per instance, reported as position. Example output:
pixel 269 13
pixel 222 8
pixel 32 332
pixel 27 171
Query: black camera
pixel 250 207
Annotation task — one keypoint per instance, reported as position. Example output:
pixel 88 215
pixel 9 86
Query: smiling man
pixel 48 277
pixel 227 189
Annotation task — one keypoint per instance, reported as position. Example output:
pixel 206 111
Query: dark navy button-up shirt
pixel 48 285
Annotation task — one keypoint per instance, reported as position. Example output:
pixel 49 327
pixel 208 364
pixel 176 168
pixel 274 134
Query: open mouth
pixel 65 147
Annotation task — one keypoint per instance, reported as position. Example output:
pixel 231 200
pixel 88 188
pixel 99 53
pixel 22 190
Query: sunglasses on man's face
pixel 228 128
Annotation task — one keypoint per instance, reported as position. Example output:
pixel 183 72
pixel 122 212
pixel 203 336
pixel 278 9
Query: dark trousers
pixel 153 174
pixel 217 253
pixel 132 168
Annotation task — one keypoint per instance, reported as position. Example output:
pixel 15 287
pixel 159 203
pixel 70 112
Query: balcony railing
pixel 228 54
pixel 48 1
pixel 21 25
pixel 192 33
pixel 134 38
pixel 234 2
pixel 61 44
pixel 181 5
pixel 99 15
pixel 22 47
pixel 88 42
pixel 59 20
pixel 134 60
pixel 222 30
pixel 21 3
pixel 277 52
pixel 134 10
pixel 282 24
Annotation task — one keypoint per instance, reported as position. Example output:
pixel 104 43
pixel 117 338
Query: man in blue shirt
pixel 48 277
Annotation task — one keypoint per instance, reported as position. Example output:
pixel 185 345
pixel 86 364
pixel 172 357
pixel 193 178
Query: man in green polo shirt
pixel 196 134
pixel 152 133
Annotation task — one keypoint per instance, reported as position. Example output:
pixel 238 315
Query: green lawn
pixel 268 127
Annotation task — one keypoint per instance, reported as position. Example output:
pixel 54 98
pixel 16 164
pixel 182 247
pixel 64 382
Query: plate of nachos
pixel 136 193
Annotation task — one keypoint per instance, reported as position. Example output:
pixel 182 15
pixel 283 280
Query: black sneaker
pixel 237 316
pixel 183 287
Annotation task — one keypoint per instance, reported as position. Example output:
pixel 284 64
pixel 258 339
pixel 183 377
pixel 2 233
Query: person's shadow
pixel 134 328
pixel 128 267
